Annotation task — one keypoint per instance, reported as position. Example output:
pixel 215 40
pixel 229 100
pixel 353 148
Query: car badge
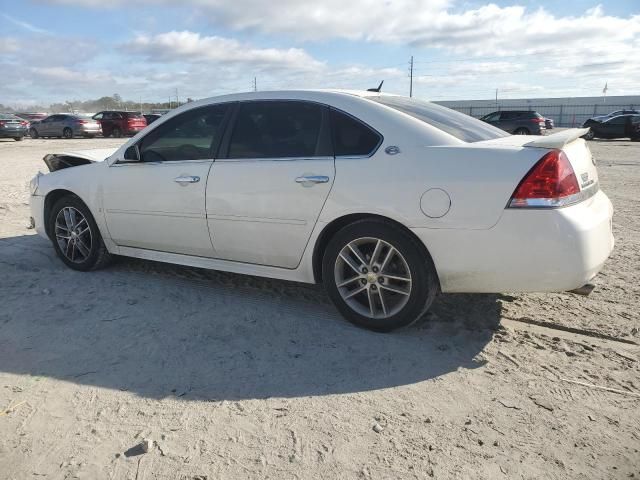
pixel 392 150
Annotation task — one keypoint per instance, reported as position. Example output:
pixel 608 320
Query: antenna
pixel 376 89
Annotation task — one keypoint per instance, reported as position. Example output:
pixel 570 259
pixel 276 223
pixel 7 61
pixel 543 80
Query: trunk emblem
pixel 584 176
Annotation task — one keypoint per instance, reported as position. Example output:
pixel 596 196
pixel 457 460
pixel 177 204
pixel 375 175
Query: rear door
pixel 614 128
pixel 265 194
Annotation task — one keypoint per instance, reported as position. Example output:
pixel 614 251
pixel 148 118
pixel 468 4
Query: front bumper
pixel 36 203
pixel 528 250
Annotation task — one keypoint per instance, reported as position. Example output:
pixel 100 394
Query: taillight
pixel 550 183
pixel 24 124
pixel 82 121
pixel 2 124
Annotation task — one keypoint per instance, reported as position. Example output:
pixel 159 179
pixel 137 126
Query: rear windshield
pixel 461 126
pixel 8 116
pixel 133 115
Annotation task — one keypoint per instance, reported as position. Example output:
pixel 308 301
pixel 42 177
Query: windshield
pixel 461 126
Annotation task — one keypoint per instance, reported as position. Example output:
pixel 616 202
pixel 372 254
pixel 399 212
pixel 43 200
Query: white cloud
pixel 24 25
pixel 190 46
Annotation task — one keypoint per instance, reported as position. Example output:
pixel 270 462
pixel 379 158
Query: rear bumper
pixel 80 130
pixel 6 133
pixel 526 251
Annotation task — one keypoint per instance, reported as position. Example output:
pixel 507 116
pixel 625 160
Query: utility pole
pixel 177 98
pixel 496 98
pixel 411 77
pixel 255 84
pixel 141 105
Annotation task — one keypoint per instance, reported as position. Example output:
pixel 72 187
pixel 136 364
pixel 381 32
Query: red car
pixel 117 123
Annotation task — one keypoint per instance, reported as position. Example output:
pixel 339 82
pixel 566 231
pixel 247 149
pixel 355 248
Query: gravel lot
pixel 236 377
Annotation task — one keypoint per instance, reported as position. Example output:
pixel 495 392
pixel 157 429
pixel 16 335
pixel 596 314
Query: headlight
pixel 33 185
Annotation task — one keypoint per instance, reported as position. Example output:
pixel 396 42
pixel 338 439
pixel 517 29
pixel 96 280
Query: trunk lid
pixel 569 141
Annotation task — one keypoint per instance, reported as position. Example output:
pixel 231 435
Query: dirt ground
pixel 236 377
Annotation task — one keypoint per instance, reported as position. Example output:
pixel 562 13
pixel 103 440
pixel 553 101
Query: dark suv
pixel 117 123
pixel 518 122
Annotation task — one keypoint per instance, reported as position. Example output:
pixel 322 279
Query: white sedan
pixel 384 199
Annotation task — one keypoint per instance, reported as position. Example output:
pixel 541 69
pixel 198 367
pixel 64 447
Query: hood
pixel 58 161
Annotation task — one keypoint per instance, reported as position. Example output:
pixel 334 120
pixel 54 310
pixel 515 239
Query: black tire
pixel 116 133
pixel 33 133
pixel 18 139
pixel 521 131
pixel 424 282
pixel 67 133
pixel 98 256
pixel 589 135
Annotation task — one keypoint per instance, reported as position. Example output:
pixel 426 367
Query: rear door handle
pixel 311 179
pixel 184 179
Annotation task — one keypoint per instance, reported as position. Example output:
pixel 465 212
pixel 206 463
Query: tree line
pixel 114 102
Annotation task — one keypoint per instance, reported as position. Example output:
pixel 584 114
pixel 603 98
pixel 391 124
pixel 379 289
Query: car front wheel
pixel 75 235
pixel 378 276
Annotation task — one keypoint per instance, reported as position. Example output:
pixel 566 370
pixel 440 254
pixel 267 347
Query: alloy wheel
pixel 373 278
pixel 73 234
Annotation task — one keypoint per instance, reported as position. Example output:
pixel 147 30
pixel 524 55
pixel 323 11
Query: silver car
pixel 65 125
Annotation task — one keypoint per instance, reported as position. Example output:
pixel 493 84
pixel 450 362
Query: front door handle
pixel 184 179
pixel 311 179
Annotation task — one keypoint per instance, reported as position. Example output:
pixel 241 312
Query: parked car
pixel 635 132
pixel 12 126
pixel 622 126
pixel 119 123
pixel 617 113
pixel 517 122
pixel 151 117
pixel 386 200
pixel 65 125
pixel 548 123
pixel 32 117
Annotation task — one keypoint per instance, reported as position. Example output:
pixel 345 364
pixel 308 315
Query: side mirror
pixel 132 154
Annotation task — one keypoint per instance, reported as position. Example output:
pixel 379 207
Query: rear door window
pixel 279 129
pixel 192 135
pixel 351 137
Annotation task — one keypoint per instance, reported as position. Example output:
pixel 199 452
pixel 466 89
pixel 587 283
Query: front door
pixel 265 193
pixel 158 203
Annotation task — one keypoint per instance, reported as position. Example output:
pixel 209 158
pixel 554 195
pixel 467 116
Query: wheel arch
pixel 50 200
pixel 335 225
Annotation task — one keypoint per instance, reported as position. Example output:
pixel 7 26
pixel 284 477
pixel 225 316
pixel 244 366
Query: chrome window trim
pixel 542 203
pixel 126 163
pixel 273 159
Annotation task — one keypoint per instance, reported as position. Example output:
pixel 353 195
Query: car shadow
pixel 160 330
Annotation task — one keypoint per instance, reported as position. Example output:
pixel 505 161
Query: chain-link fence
pixel 562 115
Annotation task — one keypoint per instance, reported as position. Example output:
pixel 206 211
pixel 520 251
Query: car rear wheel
pixel 75 235
pixel 116 133
pixel 18 139
pixel 67 133
pixel 378 276
pixel 33 133
pixel 521 131
pixel 589 135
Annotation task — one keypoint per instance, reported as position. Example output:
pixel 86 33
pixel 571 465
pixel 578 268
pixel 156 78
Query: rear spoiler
pixel 558 140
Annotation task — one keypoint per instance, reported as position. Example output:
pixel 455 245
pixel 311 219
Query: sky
pixel 154 50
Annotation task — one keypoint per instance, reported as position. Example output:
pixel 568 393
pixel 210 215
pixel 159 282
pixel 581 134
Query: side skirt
pixel 297 275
